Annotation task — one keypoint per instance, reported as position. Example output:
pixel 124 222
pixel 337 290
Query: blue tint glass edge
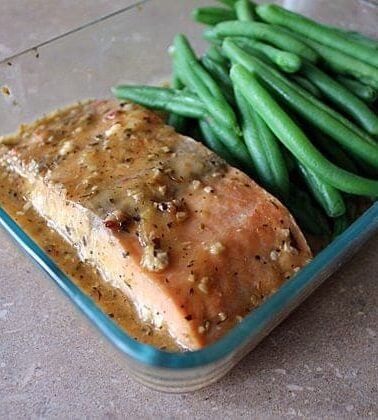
pixel 253 325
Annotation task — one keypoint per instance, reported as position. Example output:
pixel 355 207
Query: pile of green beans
pixel 288 100
pixel 295 140
pixel 264 149
pixel 320 115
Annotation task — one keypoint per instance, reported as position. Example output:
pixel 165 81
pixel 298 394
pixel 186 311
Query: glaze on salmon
pixel 194 243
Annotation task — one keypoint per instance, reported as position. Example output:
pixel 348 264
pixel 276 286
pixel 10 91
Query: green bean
pixel 310 29
pixel 321 116
pixel 188 67
pixel 212 15
pixel 229 3
pixel 343 98
pixel 351 208
pixel 253 142
pixel 340 225
pixel 308 215
pixel 329 198
pixel 215 54
pixel 179 122
pixel 176 101
pixel 211 37
pixel 344 64
pixel 333 151
pixel 176 82
pixel 244 11
pixel 220 74
pixel 212 141
pixel 286 61
pixel 290 160
pixel 295 140
pixel 198 80
pixel 194 131
pixel 306 84
pixel 357 36
pixel 268 33
pixel 366 93
pixel 233 143
pixel 264 150
pixel 223 120
pixel 362 39
pixel 274 156
pixel 343 222
pixel 223 67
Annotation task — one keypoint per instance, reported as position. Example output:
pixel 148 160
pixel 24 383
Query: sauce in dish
pixel 111 300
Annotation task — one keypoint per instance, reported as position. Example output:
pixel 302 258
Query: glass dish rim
pixel 137 3
pixel 250 326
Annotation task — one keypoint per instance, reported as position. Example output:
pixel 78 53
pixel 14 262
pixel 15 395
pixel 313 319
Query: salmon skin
pixel 194 243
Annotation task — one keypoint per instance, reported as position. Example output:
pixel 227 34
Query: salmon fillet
pixel 194 243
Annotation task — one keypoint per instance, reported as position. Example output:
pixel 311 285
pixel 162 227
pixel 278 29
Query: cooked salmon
pixel 194 243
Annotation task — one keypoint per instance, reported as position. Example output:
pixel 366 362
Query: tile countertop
pixel 321 362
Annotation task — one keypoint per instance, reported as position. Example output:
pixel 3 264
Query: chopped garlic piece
pixel 127 107
pixel 216 248
pixel 208 189
pixel 156 172
pixel 196 184
pixel 113 130
pixel 165 149
pixel 148 315
pixel 66 148
pixel 254 300
pixel 137 196
pixel 162 189
pixel 191 278
pixel 203 285
pixel 27 206
pixel 181 216
pixel 222 316
pixel 274 255
pixel 288 248
pixel 154 259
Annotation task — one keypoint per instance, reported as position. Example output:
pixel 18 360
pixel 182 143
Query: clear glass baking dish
pixel 132 47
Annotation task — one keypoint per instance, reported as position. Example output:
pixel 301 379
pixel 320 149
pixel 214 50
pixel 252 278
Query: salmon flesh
pixel 194 243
